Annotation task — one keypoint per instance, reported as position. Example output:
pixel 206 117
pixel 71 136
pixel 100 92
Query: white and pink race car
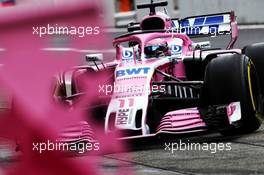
pixel 163 82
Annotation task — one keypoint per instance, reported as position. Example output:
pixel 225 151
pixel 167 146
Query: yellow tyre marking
pixel 250 87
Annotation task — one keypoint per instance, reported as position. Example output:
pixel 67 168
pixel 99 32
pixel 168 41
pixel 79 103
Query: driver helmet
pixel 156 48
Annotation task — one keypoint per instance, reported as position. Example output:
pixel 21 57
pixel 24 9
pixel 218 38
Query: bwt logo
pixel 176 49
pixel 127 54
pixel 132 71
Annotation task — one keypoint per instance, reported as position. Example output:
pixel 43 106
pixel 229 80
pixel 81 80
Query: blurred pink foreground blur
pixel 27 72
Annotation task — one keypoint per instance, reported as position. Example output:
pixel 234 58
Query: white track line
pixel 115 30
pixel 250 27
pixel 78 50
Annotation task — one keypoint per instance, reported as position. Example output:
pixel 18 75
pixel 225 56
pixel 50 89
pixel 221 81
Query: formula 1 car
pixel 163 82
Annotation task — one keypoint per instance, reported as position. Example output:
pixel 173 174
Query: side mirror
pixel 94 57
pixel 201 45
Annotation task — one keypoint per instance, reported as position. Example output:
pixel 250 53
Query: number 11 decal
pixel 123 102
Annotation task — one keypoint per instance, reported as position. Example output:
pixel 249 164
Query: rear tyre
pixel 230 79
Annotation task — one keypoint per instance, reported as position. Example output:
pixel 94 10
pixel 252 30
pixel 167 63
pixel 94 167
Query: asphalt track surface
pixel 150 156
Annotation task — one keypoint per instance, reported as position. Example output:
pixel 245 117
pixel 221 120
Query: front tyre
pixel 228 79
pixel 256 53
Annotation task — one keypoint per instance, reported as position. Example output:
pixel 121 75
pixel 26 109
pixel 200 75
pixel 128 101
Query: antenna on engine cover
pixel 152 6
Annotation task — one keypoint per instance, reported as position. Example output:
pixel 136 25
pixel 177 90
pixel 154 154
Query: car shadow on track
pixel 158 141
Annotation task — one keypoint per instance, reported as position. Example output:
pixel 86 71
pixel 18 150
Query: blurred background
pixel 121 12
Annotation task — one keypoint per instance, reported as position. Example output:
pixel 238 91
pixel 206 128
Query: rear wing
pixel 209 25
pixel 213 24
pixel 203 26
